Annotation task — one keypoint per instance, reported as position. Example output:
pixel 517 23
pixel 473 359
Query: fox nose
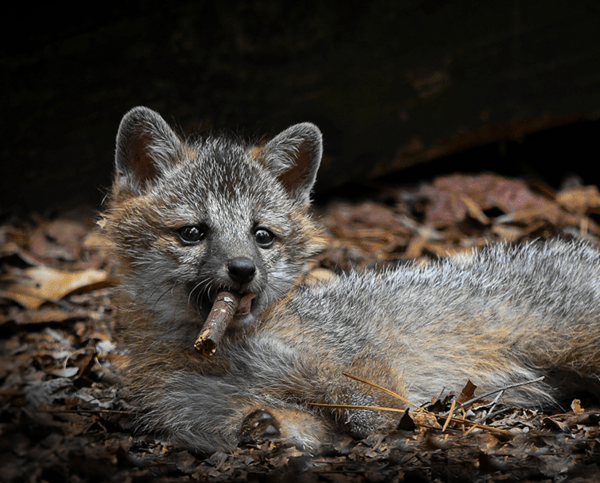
pixel 241 270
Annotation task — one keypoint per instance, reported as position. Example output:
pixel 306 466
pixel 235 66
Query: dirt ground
pixel 63 417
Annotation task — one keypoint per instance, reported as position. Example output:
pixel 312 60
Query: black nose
pixel 241 270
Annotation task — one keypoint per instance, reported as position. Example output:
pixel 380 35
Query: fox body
pixel 191 218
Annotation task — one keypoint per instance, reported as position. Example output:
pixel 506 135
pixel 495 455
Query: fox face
pixel 190 219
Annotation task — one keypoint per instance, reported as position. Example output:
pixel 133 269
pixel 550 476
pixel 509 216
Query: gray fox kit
pixel 191 218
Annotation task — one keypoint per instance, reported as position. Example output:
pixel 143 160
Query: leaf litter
pixel 64 418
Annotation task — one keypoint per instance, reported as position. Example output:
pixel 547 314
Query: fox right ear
pixel 146 147
pixel 294 156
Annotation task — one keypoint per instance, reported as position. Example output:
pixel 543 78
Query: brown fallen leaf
pixel 415 247
pixel 508 232
pixel 406 422
pixel 475 210
pixel 43 316
pixel 452 197
pixel 60 239
pixel 425 419
pixel 547 210
pixel 33 286
pixel 579 199
pixel 11 249
pixel 467 393
pixel 576 406
pixel 555 424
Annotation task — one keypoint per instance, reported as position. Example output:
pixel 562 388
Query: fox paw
pixel 259 425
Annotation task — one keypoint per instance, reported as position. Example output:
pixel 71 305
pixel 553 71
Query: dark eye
pixel 264 238
pixel 191 234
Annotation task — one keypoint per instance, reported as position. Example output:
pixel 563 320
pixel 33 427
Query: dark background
pixel 419 86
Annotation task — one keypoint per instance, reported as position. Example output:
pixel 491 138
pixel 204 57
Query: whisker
pixel 170 289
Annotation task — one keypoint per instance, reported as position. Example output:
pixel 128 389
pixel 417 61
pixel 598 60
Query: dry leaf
pixel 44 316
pixel 406 422
pixel 467 393
pixel 452 197
pixel 11 249
pixel 508 232
pixel 415 247
pixel 553 423
pixel 474 210
pixel 422 418
pixel 578 200
pixel 576 406
pixel 547 210
pixel 34 286
pixel 59 239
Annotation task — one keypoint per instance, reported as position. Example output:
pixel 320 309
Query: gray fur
pixel 419 323
pixel 497 316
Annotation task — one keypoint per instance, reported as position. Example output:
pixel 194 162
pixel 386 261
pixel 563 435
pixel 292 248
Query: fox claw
pixel 259 425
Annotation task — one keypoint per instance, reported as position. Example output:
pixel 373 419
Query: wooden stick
pixel 222 312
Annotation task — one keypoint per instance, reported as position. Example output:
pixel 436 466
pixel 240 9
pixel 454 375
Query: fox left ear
pixel 294 156
pixel 146 147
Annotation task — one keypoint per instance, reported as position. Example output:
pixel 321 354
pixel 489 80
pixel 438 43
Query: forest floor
pixel 63 418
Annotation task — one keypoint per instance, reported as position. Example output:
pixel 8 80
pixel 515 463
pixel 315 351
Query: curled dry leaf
pixel 34 286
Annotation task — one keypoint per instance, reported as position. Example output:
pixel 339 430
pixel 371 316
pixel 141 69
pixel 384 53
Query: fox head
pixel 191 218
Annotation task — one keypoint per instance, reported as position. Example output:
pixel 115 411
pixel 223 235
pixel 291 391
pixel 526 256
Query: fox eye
pixel 264 238
pixel 191 234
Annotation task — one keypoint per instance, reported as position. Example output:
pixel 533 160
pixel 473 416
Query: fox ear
pixel 294 156
pixel 146 147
